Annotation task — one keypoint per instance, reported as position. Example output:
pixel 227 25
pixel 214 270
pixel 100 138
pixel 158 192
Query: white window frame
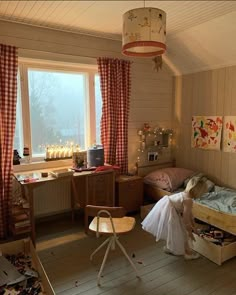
pixel 66 67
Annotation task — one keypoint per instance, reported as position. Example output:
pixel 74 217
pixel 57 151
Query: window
pixel 18 139
pixel 98 107
pixel 57 107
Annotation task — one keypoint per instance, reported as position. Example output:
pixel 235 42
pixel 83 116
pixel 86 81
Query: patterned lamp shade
pixel 144 32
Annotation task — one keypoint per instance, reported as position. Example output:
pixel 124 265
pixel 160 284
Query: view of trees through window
pixel 58 110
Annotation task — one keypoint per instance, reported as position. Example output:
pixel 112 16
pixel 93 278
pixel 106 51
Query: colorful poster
pixel 229 134
pixel 206 132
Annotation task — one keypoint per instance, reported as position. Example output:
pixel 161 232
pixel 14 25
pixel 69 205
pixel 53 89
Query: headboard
pixel 145 169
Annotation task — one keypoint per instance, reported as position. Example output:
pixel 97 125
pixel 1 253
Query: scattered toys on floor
pixel 27 282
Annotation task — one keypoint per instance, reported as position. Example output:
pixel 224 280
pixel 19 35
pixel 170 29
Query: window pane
pixel 18 138
pixel 98 108
pixel 57 108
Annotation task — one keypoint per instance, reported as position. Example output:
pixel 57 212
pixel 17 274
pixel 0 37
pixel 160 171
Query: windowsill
pixel 42 165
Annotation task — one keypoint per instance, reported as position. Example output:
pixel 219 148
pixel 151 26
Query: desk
pixel 87 188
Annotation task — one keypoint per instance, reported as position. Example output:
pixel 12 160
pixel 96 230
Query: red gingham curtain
pixel 8 96
pixel 115 88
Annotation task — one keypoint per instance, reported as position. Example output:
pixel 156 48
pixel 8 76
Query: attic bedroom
pixel 75 134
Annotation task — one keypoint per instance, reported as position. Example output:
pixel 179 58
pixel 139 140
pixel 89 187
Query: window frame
pixel 64 67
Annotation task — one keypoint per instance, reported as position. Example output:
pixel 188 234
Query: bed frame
pixel 224 221
pixel 143 170
pixel 221 220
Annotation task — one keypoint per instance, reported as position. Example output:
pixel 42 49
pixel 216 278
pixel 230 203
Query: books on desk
pixel 62 173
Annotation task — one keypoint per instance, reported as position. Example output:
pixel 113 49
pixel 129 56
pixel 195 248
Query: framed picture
pixel 152 156
pixel 206 132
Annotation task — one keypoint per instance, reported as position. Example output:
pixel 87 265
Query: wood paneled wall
pixel 152 92
pixel 205 93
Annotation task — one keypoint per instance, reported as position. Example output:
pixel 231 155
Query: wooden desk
pixel 87 188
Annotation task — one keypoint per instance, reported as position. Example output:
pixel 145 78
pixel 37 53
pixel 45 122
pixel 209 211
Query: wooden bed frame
pixel 224 221
pixel 221 220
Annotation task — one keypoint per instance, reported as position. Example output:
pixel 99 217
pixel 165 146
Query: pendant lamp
pixel 144 32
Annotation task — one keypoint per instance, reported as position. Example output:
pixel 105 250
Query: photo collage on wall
pixel 209 131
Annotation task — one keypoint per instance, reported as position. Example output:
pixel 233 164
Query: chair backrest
pixel 91 210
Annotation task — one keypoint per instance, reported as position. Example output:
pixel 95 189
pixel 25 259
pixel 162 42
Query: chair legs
pixel 111 245
pixel 100 247
pixel 127 256
pixel 104 261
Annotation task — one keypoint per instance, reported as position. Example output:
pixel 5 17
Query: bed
pixel 222 220
pixel 216 216
pixel 166 181
pixel 207 209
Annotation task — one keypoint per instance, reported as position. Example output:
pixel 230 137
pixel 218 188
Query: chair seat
pixel 122 225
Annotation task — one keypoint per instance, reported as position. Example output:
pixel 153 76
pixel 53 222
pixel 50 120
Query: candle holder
pixel 54 152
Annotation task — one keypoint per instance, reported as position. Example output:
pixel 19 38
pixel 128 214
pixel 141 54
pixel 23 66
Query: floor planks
pixel 65 253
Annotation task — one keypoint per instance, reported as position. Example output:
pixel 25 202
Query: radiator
pixel 52 198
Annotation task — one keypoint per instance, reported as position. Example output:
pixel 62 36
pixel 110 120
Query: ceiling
pixel 198 32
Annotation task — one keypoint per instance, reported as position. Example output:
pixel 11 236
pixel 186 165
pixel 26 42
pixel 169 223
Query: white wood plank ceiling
pixel 200 34
pixel 104 18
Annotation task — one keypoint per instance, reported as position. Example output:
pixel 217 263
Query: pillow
pixel 169 179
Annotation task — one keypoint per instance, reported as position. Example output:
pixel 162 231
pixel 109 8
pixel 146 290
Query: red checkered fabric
pixel 115 88
pixel 8 96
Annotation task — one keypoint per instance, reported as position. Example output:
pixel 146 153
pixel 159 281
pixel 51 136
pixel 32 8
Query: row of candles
pixel 61 152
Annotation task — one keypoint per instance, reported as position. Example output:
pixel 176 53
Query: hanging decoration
pixel 206 132
pixel 157 63
pixel 144 32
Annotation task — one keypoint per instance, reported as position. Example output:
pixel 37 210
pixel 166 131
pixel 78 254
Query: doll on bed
pixel 171 219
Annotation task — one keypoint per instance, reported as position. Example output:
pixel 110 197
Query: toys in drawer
pixel 215 244
pixel 216 236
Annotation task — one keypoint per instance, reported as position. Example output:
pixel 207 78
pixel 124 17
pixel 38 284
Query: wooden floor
pixel 65 257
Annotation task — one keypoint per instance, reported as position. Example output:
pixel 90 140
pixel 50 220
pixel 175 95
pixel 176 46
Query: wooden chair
pixel 110 221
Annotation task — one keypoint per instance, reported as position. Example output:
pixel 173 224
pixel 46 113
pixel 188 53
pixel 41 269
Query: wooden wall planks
pixel 205 93
pixel 152 92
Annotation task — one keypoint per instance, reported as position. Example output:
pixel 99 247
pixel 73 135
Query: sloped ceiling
pixel 206 46
pixel 200 34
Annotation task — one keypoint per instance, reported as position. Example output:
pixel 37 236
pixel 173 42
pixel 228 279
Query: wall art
pixel 229 134
pixel 206 132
